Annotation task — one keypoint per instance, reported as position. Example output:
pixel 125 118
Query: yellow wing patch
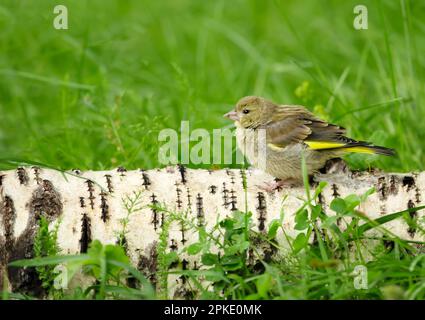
pixel 317 145
pixel 360 150
pixel 320 145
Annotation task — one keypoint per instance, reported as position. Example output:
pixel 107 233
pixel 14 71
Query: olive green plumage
pixel 288 131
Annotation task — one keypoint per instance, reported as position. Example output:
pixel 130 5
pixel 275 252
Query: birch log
pixel 89 205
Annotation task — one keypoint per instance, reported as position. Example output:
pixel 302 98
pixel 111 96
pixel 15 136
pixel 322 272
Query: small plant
pixel 106 266
pixel 45 244
pixel 131 204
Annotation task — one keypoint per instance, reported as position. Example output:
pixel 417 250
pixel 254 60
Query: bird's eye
pixel 246 111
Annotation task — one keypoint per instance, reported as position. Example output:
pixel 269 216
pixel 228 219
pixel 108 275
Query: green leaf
pixel 315 211
pixel 329 221
pixel 370 224
pixel 231 262
pixel 209 259
pixel 194 248
pixel 238 244
pixel 301 220
pixel 227 224
pixel 264 284
pixel 338 205
pixel 364 196
pixel 53 260
pixel 351 201
pixel 319 188
pixel 171 257
pixel 300 242
pixel 273 227
pixel 214 275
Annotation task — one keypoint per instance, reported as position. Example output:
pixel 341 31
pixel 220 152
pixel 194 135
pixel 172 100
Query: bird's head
pixel 251 112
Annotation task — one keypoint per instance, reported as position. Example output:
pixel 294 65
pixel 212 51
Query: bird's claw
pixel 278 184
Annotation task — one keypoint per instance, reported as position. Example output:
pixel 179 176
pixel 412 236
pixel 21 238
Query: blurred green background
pixel 96 95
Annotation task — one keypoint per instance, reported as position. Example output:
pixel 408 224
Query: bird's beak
pixel 232 115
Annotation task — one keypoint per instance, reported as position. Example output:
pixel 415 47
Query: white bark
pixel 89 205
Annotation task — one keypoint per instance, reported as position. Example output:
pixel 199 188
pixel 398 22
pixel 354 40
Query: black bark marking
pixel 182 230
pixel 121 171
pixel 383 209
pixel 179 201
pixel 104 207
pixel 82 203
pixel 393 185
pixel 251 258
pixel 382 189
pixel 162 218
pixel 233 200
pixel 200 210
pixel 321 200
pixel 155 219
pixel 261 210
pixel 412 229
pixel 311 180
pixel 225 196
pixel 90 189
pixel 46 200
pixel 408 182
pixel 1 179
pixel 76 171
pixel 8 215
pixel 389 245
pixel 268 249
pixel 37 177
pixel 213 189
pixel 335 194
pixel 183 293
pixel 185 264
pixel 189 198
pixel 174 246
pixel 148 264
pixel 24 280
pixel 85 233
pixel 242 174
pixel 146 180
pixel 417 195
pixel 22 176
pixel 335 190
pixel 3 259
pixel 231 175
pixel 182 171
pixel 109 183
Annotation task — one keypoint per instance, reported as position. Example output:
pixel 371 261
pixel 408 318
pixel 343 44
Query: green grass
pixel 96 95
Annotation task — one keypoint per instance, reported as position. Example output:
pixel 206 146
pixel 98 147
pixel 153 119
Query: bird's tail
pixel 370 149
pixel 350 145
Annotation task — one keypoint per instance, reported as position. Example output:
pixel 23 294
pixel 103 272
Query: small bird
pixel 273 138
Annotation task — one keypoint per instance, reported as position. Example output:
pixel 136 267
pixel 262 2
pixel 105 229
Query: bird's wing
pixel 295 124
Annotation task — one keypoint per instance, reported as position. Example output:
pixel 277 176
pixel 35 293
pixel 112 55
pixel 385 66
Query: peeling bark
pixel 90 206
